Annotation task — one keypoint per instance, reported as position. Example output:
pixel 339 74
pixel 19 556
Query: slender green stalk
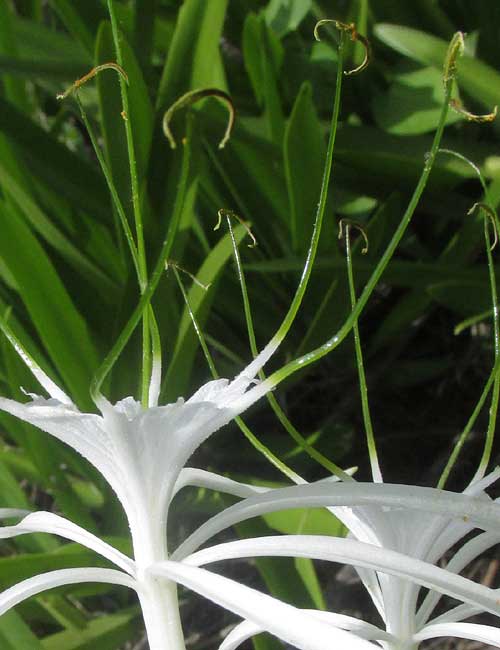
pixel 490 434
pixel 280 414
pixel 470 423
pixel 306 273
pixel 494 378
pixel 297 300
pixel 306 359
pixel 265 451
pixel 155 335
pixel 147 294
pixel 473 320
pixel 363 389
pixel 136 203
pixel 111 186
pixel 196 325
pixel 311 254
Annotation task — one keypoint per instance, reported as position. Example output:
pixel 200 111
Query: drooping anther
pixel 190 98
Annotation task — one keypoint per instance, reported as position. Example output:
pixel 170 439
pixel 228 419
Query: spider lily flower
pixel 142 452
pixel 397 535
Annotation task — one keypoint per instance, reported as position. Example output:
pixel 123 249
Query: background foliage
pixel 68 281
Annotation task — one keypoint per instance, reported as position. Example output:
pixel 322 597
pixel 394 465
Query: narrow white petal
pixel 290 624
pixel 155 382
pixel 32 586
pixel 371 583
pixel 43 379
pixel 478 486
pixel 239 634
pixel 82 431
pixel 468 552
pixel 472 631
pixel 248 629
pixel 259 362
pixel 350 551
pixel 48 522
pixel 477 511
pixel 191 476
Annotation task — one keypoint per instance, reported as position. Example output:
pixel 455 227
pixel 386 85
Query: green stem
pixel 265 451
pixel 111 187
pixel 280 414
pixel 490 434
pixel 494 374
pixel 311 254
pixel 363 389
pixel 148 292
pixel 306 273
pixel 136 203
pixel 494 378
pixel 306 359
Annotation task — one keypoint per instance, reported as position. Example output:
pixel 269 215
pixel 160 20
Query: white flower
pixel 142 452
pixel 398 534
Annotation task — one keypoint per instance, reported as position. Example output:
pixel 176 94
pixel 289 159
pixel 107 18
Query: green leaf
pixel 307 522
pixel 317 521
pixel 279 573
pixel 54 237
pixel 141 111
pixel 52 163
pixel 144 27
pixel 412 104
pixel 263 55
pixel 386 161
pixel 107 632
pixel 249 155
pixel 36 69
pixel 15 634
pixel 80 19
pixel 266 641
pixel 305 569
pixel 304 149
pixel 35 41
pixel 15 568
pixel 110 104
pixel 58 323
pixel 285 16
pixel 62 611
pixel 397 323
pixel 194 59
pixel 478 79
pixel 411 373
pixel 462 299
pixel 14 89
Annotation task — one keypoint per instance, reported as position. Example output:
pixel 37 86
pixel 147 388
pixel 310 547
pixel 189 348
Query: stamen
pixel 348 224
pixel 492 218
pixel 175 265
pixel 190 98
pixel 457 106
pixel 224 212
pixel 90 75
pixel 355 36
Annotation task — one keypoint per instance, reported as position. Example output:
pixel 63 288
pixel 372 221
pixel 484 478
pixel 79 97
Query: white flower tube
pixel 290 624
